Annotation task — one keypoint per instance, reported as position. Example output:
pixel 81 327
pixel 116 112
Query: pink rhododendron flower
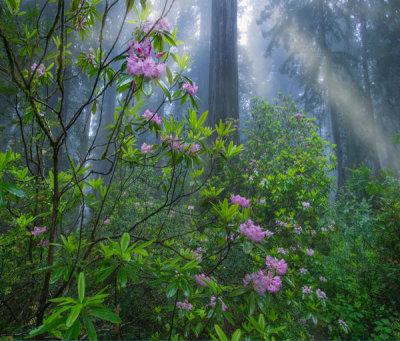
pixel 159 54
pixel 310 252
pixel 190 207
pixel 298 115
pixel 39 70
pixel 140 62
pixel 184 305
pixel 196 255
pixel 191 89
pixel 280 266
pixel 282 251
pixel 89 57
pixel 106 221
pixel 262 283
pixel 161 25
pixel 269 233
pixel 38 230
pixel 320 293
pixel 252 232
pixel 305 204
pixel 241 201
pixel 262 201
pixel 80 22
pixel 303 271
pixel 213 303
pixel 146 148
pixel 307 290
pixel 323 279
pixel 200 279
pixel 194 149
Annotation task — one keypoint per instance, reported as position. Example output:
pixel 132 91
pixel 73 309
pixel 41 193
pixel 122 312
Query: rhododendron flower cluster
pixel 253 232
pixel 282 251
pixel 200 279
pixel 184 305
pixel 213 303
pixel 146 148
pixel 262 283
pixel 107 221
pixel 269 233
pixel 160 25
pixel 177 145
pixel 323 279
pixel 140 61
pixel 310 252
pixel 298 115
pixel 89 57
pixel 280 266
pixel 191 89
pixel 281 223
pixel 303 271
pixel 39 70
pixel 149 114
pixel 194 149
pixel 307 290
pixel 241 201
pixel 38 230
pixel 320 293
pixel 305 204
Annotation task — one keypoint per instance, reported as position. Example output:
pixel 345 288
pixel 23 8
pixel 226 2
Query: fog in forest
pixel 128 213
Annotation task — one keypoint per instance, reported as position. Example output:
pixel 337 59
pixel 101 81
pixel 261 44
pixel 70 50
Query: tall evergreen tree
pixel 223 100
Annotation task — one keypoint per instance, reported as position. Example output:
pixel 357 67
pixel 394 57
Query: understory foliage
pixel 187 237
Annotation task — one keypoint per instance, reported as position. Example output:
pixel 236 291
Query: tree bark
pixel 223 99
pixel 370 122
pixel 333 112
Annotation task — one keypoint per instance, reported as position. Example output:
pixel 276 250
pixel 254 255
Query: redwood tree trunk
pixel 223 99
pixel 371 123
pixel 333 112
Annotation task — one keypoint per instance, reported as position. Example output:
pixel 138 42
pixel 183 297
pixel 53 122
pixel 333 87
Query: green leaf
pixel 122 277
pixel 46 327
pixel 73 315
pixel 129 5
pixel 12 189
pixel 169 75
pixel 172 289
pixel 147 88
pixel 125 240
pixel 102 274
pixel 236 335
pixel 220 333
pixel 81 286
pixel 73 332
pixel 91 330
pixel 105 314
pixel 247 247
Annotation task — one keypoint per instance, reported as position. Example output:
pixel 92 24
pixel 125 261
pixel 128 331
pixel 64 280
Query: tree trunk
pixel 333 112
pixel 370 122
pixel 223 99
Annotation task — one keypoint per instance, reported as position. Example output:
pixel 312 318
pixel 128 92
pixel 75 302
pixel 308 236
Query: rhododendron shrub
pixel 179 233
